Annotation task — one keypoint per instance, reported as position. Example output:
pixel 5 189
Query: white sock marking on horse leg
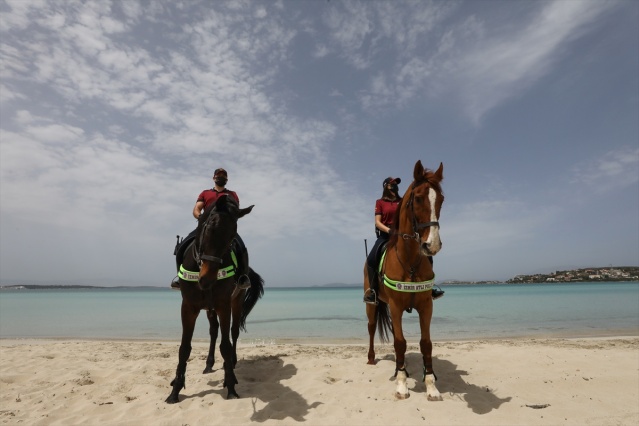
pixel 431 390
pixel 402 387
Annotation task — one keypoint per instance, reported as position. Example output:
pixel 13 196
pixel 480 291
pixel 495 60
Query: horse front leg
pixel 188 325
pixel 214 325
pixel 426 348
pixel 401 391
pixel 226 348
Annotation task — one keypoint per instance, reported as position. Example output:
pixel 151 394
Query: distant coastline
pixel 603 274
pixel 69 287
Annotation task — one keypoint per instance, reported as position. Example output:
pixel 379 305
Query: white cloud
pixel 615 169
pixel 208 104
pixel 502 66
pixel 476 65
pixel 114 116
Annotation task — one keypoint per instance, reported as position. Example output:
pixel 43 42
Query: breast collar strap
pixel 210 258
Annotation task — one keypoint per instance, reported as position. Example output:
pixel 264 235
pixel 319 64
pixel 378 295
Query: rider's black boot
pixel 437 292
pixel 243 282
pixel 370 296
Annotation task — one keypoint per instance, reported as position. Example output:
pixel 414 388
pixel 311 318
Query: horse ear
pixel 245 211
pixel 439 174
pixel 418 173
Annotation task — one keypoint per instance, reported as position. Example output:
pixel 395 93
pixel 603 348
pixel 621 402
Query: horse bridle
pixel 200 257
pixel 415 235
pixel 416 225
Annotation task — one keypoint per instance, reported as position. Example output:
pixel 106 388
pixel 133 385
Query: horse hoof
pixel 208 369
pixel 371 362
pixel 232 395
pixel 435 398
pixel 172 399
pixel 401 395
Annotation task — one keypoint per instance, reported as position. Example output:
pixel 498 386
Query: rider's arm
pixel 380 225
pixel 197 209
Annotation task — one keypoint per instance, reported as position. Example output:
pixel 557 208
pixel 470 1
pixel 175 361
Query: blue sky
pixel 115 114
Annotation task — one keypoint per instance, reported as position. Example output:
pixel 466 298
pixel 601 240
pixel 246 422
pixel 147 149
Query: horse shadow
pixel 262 377
pixel 479 398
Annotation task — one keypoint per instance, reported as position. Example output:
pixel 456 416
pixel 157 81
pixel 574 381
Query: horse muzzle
pixel 431 247
pixel 207 271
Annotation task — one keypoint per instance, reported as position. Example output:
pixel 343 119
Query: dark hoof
pixel 232 395
pixel 172 399
pixel 208 369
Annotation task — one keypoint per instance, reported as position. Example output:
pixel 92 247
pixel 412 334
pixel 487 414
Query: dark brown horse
pixel 407 275
pixel 214 291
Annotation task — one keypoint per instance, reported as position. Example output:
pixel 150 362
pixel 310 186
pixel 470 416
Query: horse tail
pixel 253 294
pixel 384 323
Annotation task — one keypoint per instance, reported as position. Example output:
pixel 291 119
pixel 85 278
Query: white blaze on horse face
pixel 433 242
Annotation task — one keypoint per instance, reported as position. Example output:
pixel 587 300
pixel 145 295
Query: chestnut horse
pixel 214 290
pixel 407 276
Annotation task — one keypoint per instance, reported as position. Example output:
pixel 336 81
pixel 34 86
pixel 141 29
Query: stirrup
pixel 369 300
pixel 437 293
pixel 243 282
pixel 175 284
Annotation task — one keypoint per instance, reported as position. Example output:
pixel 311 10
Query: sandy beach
pixel 592 381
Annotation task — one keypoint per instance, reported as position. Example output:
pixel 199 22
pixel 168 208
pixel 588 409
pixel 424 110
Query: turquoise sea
pixel 314 314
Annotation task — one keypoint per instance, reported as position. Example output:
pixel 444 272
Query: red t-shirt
pixel 387 210
pixel 210 196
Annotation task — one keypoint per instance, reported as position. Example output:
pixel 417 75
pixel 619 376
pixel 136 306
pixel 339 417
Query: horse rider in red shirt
pixel 206 198
pixel 385 209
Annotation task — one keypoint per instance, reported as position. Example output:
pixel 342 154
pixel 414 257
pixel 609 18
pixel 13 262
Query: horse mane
pixel 229 205
pixel 428 177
